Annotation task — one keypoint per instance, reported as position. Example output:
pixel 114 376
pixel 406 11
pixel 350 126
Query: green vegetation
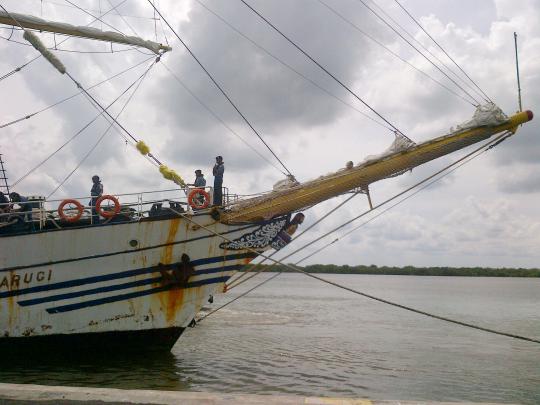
pixel 411 271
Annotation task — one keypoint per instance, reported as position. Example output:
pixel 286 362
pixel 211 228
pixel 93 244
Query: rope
pixel 341 16
pixel 140 80
pixel 235 283
pixel 428 51
pixel 296 269
pixel 96 11
pixel 76 134
pixel 220 88
pixel 411 309
pixel 417 50
pixel 213 114
pixel 99 18
pixel 17 69
pixel 442 49
pixel 289 66
pixel 39 56
pixel 73 95
pixel 323 68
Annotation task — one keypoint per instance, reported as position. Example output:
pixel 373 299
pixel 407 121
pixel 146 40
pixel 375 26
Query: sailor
pixel 200 181
pixel 25 206
pixel 218 171
pixel 95 193
pixel 4 206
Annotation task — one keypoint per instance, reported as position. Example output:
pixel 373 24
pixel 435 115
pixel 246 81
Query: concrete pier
pixel 45 395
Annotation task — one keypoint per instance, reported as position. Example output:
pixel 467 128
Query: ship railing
pixel 133 207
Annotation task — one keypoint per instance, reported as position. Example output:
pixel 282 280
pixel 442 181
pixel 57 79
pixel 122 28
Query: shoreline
pixel 406 271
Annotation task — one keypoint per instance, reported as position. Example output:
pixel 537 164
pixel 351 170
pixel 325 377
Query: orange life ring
pixel 107 214
pixel 194 202
pixel 70 218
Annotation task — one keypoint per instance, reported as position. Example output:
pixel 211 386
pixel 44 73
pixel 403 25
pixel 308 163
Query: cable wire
pixel 442 49
pixel 418 50
pixel 341 16
pixel 219 87
pixel 285 64
pixel 101 112
pixel 323 68
pixel 213 114
pixel 140 80
pixel 72 96
pixel 390 199
pixel 235 283
pixel 397 305
pixel 449 69
pixel 39 56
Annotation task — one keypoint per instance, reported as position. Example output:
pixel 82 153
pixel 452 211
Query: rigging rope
pixel 213 114
pixel 219 87
pixel 323 68
pixel 442 49
pixel 392 198
pixel 140 80
pixel 341 16
pixel 96 11
pixel 428 51
pixel 39 56
pixel 235 283
pixel 99 18
pixel 73 95
pixel 76 134
pixel 289 66
pixel 418 50
pixel 411 309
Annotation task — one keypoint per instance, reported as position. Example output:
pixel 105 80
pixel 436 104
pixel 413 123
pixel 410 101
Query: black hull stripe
pixel 121 252
pixel 127 273
pixel 116 287
pixel 123 297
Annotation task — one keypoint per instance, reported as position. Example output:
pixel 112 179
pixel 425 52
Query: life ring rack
pixel 107 214
pixel 70 218
pixel 195 202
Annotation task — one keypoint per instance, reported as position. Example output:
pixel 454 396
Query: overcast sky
pixel 484 214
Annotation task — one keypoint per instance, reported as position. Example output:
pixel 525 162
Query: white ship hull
pixel 106 279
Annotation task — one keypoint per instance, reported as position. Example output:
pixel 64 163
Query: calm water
pixel 295 335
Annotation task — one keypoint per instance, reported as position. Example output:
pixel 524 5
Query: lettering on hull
pixel 16 281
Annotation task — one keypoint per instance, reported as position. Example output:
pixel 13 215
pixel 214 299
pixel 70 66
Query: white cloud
pixel 483 214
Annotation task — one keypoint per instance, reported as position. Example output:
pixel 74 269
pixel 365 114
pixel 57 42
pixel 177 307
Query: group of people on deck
pixel 25 210
pixel 6 206
pixel 217 171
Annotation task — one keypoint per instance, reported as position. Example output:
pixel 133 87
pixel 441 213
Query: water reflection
pixel 158 370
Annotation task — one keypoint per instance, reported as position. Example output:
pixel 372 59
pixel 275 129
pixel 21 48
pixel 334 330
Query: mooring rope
pixel 395 304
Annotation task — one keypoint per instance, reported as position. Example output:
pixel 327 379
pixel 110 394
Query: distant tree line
pixel 409 270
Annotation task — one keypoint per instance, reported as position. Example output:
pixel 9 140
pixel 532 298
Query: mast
pixel 36 23
pixel 3 176
pixel 517 72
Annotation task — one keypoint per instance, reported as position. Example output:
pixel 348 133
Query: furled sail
pixel 487 121
pixel 36 23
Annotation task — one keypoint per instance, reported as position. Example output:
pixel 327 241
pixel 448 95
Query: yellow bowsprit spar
pixel 315 191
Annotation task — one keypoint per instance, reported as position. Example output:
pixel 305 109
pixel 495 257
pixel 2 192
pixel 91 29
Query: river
pixel 296 335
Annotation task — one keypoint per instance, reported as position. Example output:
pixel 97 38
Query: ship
pixel 132 271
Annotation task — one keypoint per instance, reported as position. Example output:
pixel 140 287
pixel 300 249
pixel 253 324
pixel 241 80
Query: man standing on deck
pixel 95 193
pixel 218 171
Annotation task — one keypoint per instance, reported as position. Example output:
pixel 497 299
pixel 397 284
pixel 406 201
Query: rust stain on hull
pixel 171 301
pixel 166 257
